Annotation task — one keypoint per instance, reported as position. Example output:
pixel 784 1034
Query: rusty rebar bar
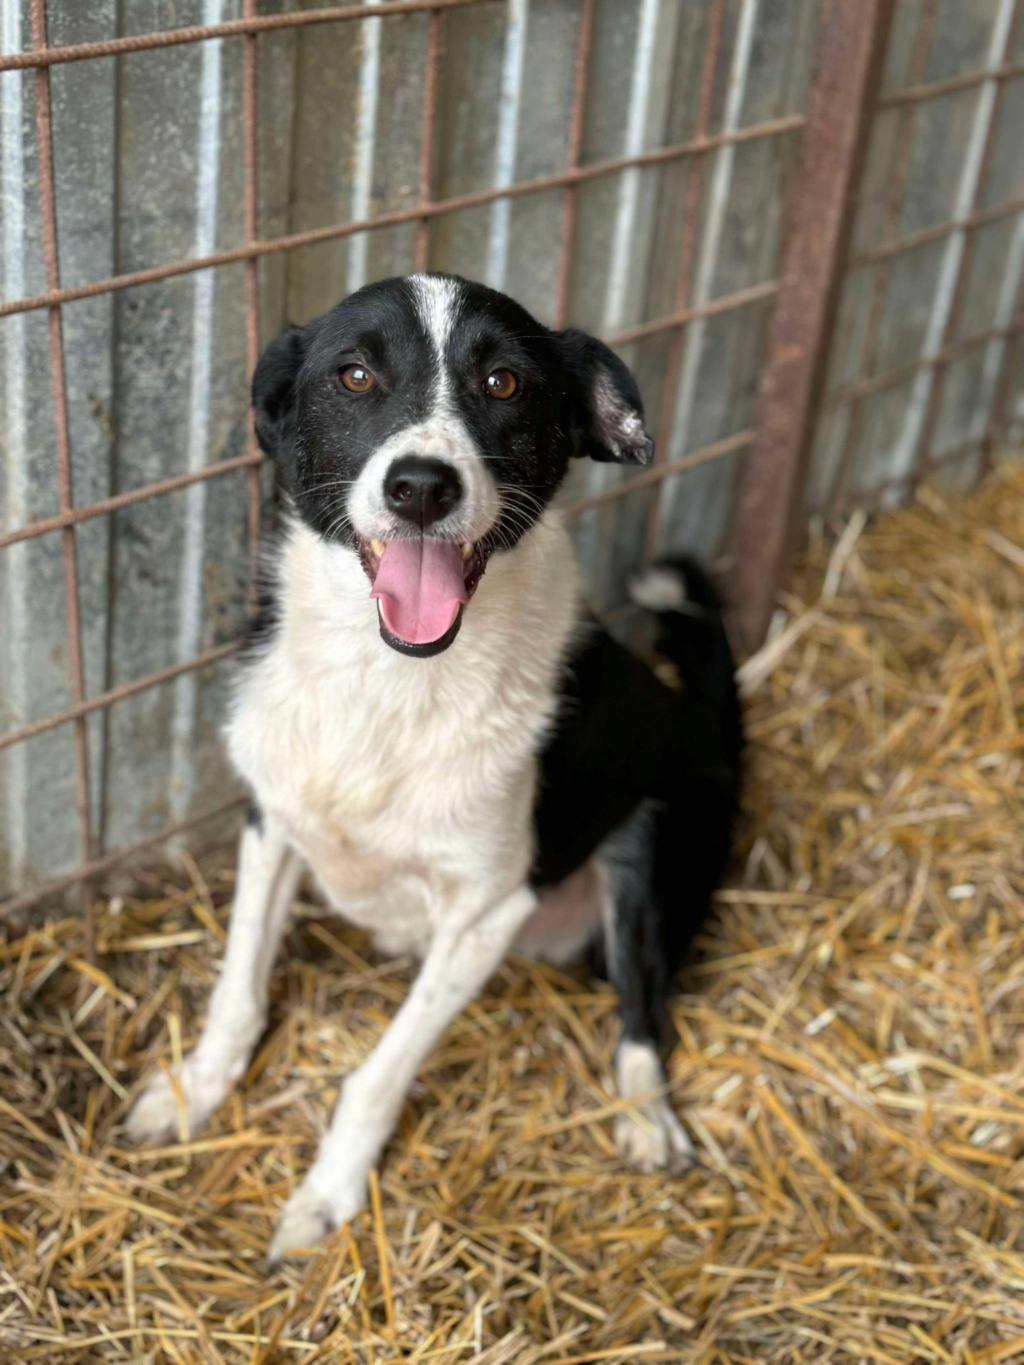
pixel 229 28
pixel 939 362
pixel 577 117
pixel 425 209
pixel 998 415
pixel 880 277
pixel 930 90
pixel 314 236
pixel 896 374
pixel 91 870
pixel 684 267
pixel 935 232
pixel 250 98
pixel 717 450
pixel 102 700
pixel 72 516
pixel 62 451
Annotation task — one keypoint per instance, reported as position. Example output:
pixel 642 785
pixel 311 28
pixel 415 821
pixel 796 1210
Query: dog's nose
pixel 421 491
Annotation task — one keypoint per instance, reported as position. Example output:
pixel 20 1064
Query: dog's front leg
pixel 457 965
pixel 268 872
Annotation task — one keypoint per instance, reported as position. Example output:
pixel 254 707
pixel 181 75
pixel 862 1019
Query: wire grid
pixel 933 363
pixel 248 29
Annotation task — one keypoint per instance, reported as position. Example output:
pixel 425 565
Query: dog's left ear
pixel 610 420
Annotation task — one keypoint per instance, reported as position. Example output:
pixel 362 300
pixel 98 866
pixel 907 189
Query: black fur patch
pixel 254 815
pixel 650 776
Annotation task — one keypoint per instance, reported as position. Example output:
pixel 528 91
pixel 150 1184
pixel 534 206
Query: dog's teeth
pixel 377 546
pixel 467 550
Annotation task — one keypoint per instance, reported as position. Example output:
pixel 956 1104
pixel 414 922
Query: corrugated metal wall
pixel 953 156
pixel 149 168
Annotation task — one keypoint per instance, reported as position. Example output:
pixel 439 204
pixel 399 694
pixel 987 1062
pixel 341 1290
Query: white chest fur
pixel 406 783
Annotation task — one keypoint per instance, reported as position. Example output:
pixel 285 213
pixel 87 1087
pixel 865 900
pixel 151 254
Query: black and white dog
pixel 429 725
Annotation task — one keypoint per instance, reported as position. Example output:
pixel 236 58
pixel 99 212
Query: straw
pixel 850 1060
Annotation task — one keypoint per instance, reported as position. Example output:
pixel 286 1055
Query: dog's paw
pixel 155 1115
pixel 651 1138
pixel 310 1214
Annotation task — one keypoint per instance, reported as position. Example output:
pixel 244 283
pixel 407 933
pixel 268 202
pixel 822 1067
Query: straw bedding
pixel 849 1064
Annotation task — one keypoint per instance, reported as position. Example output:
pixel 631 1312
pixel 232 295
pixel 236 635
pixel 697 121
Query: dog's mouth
pixel 421 586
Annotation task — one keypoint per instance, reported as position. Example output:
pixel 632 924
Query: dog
pixel 428 722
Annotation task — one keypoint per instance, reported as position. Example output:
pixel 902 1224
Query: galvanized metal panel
pixel 180 404
pixel 963 153
pixel 38 780
pixel 149 168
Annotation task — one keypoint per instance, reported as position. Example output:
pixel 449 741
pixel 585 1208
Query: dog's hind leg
pixel 268 873
pixel 642 968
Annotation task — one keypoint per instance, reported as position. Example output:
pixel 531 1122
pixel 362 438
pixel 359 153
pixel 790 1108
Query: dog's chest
pixel 382 802
pixel 397 797
pixel 405 783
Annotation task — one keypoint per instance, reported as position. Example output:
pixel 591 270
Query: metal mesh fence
pixel 681 179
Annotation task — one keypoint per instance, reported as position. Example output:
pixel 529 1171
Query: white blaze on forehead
pixel 438 304
pixel 441 435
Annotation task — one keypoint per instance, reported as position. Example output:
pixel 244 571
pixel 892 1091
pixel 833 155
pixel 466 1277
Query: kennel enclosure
pixel 801 222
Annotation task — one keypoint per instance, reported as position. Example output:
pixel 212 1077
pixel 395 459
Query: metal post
pixel 848 71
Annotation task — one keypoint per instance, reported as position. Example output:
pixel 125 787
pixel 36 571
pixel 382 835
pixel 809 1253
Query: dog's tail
pixel 691 635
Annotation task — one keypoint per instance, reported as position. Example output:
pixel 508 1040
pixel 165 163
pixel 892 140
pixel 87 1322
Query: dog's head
pixel 426 423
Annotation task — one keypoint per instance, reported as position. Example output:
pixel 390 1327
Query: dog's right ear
pixel 273 391
pixel 609 412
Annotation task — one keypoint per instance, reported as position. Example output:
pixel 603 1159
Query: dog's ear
pixel 273 390
pixel 610 420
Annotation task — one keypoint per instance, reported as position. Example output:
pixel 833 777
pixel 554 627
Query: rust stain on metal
pixel 848 69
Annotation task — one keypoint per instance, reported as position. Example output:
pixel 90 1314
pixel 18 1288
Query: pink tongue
pixel 419 585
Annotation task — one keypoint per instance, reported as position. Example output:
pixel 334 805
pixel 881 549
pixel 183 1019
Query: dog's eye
pixel 357 378
pixel 500 384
